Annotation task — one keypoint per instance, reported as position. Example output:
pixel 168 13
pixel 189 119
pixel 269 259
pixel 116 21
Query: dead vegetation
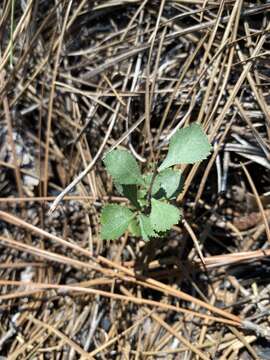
pixel 79 78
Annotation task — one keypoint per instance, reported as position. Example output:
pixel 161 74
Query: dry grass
pixel 78 78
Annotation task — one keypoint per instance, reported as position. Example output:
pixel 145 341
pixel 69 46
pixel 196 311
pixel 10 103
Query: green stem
pixel 149 195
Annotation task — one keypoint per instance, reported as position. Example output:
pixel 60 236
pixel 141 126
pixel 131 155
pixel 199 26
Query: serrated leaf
pixel 134 228
pixel 147 230
pixel 122 166
pixel 163 216
pixel 187 146
pixel 169 181
pixel 114 221
pixel 130 192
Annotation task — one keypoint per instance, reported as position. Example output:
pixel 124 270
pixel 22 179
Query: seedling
pixel 151 212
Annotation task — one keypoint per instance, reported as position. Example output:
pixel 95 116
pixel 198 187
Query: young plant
pixel 151 212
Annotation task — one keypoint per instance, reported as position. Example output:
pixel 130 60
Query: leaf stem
pixel 149 193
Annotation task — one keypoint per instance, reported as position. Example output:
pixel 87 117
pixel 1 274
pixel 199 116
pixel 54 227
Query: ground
pixel 79 78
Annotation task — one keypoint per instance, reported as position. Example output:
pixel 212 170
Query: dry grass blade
pixel 72 344
pixel 132 299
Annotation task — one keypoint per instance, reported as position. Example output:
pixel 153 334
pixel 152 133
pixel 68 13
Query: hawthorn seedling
pixel 150 217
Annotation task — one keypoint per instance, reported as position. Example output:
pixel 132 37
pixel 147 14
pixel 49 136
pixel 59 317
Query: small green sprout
pixel 151 212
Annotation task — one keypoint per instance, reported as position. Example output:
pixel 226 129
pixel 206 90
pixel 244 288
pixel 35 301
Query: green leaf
pixel 147 180
pixel 114 221
pixel 147 230
pixel 163 216
pixel 142 193
pixel 169 181
pixel 122 166
pixel 130 192
pixel 187 146
pixel 134 228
